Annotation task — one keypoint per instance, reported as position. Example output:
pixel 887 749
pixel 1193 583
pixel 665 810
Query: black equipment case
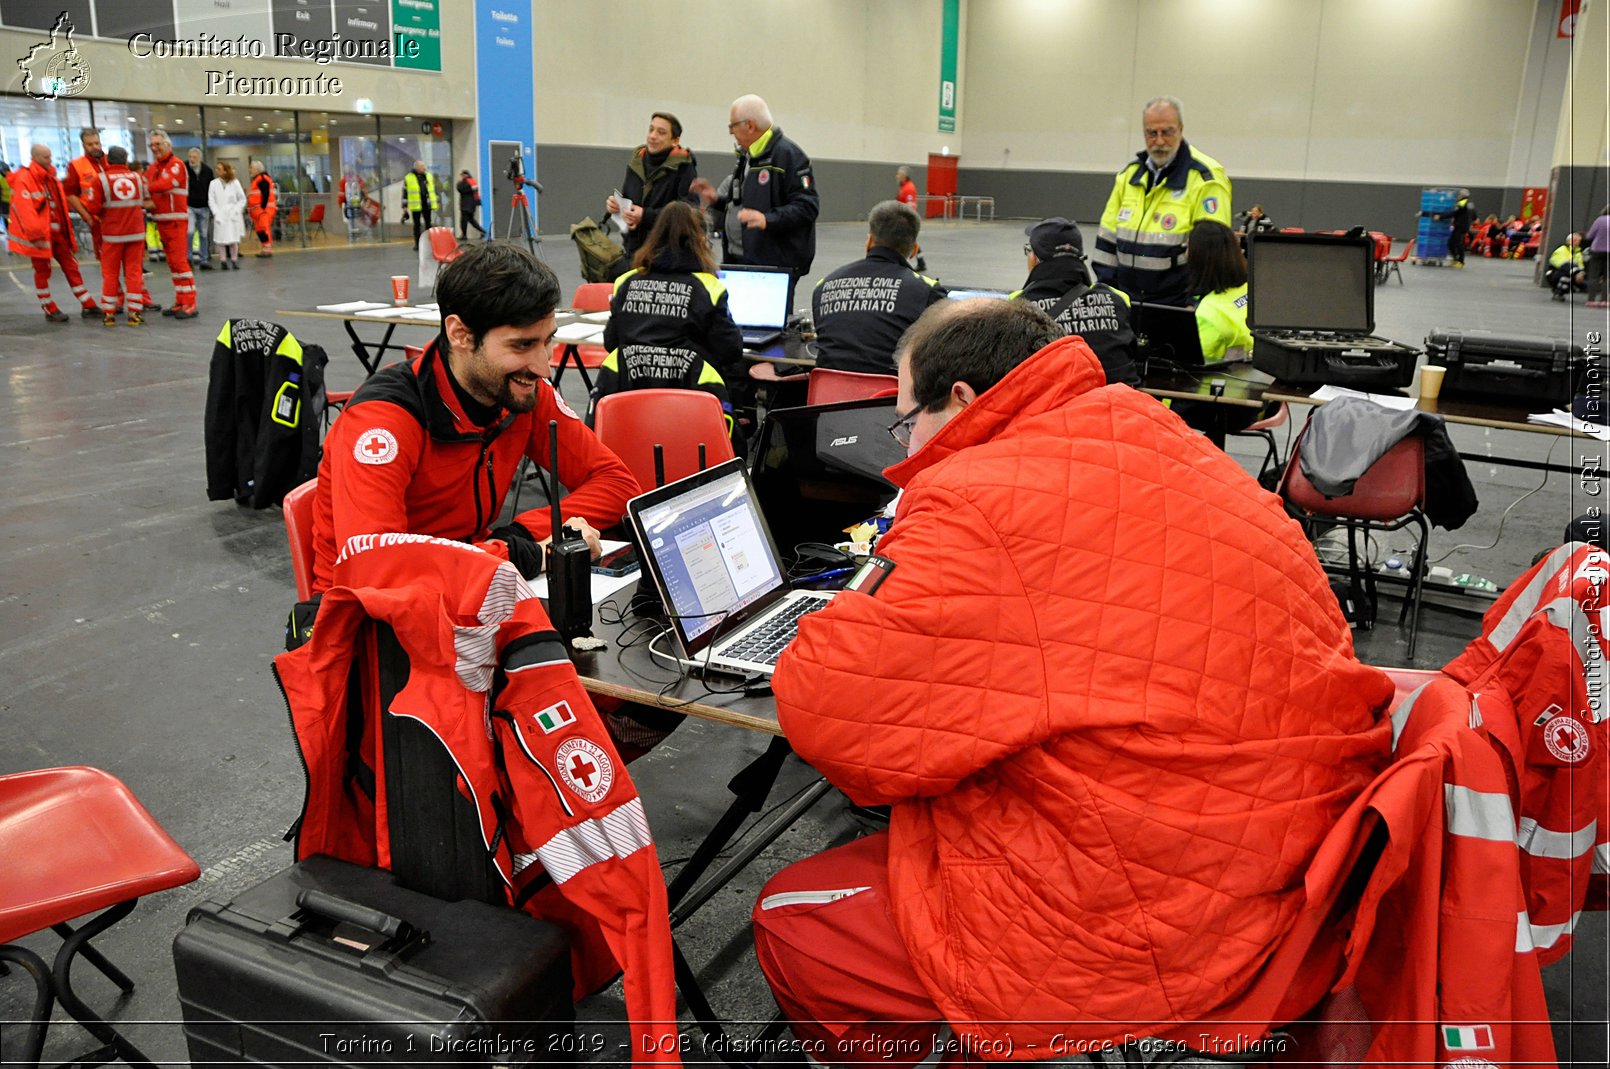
pixel 330 963
pixel 1521 369
pixel 1311 310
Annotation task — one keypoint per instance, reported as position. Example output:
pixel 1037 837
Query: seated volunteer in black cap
pixel 1059 283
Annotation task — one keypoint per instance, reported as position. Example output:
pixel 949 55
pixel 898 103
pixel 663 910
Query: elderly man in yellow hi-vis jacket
pixel 419 192
pixel 1140 247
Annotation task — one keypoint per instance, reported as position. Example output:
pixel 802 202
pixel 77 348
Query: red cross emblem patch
pixel 585 768
pixel 1566 739
pixel 375 446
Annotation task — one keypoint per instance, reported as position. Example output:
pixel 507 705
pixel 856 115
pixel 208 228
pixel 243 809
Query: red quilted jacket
pixel 1116 709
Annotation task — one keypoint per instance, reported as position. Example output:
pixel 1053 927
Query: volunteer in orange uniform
pixel 79 184
pixel 168 182
pixel 116 201
pixel 40 230
pixel 262 201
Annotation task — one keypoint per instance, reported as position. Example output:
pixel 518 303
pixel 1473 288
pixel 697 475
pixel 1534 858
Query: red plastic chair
pixel 298 510
pixel 1387 497
pixel 633 422
pixel 1391 265
pixel 827 385
pixel 315 218
pixel 589 297
pixel 76 841
pixel 1265 429
pixel 443 245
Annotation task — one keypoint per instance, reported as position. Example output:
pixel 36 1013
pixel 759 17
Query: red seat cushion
pixel 76 840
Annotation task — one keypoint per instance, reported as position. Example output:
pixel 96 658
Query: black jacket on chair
pixel 265 403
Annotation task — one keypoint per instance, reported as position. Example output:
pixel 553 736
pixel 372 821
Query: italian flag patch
pixel 1467 1036
pixel 554 717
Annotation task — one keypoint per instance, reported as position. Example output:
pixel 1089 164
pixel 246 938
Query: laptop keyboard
pixel 765 643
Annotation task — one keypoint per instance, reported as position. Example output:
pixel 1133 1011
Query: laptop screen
pixel 819 469
pixel 1310 282
pixel 758 296
pixel 709 550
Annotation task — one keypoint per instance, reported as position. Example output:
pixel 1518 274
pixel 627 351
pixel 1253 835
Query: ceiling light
pixel 248 118
pixel 131 118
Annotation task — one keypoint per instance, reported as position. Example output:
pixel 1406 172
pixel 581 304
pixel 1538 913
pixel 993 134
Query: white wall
pixel 847 79
pixel 1352 90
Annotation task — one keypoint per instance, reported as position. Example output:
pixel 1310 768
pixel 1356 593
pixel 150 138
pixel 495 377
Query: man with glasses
pixel 1101 681
pixel 1155 201
pixel 775 189
pixel 1060 284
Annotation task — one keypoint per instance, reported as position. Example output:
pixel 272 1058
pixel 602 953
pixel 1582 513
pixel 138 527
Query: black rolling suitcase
pixel 1538 370
pixel 330 963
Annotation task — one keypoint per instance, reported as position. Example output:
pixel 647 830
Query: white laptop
pixel 711 556
pixel 760 300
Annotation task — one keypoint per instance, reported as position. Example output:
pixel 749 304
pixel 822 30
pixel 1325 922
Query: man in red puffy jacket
pixel 1106 690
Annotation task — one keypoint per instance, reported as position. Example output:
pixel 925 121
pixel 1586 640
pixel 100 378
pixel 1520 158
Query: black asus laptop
pixel 706 546
pixel 1311 309
pixel 760 300
pixel 818 470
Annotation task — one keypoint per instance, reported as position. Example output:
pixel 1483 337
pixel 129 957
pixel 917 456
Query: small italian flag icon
pixel 1467 1036
pixel 555 717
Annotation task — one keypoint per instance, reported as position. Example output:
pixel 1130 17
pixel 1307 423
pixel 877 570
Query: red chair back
pixel 298 510
pixel 1389 489
pixel 443 245
pixel 827 385
pixel 592 297
pixel 317 214
pixel 632 422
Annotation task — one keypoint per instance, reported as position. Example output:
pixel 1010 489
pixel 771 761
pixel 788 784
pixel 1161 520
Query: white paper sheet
pixel 575 332
pixel 387 310
pixel 1562 418
pixel 594 317
pixel 1388 400
pixel 352 306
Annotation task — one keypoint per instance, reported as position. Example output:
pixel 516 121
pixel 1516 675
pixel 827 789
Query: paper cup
pixel 399 289
pixel 1431 381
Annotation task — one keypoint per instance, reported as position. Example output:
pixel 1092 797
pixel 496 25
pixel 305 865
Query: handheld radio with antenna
pixel 570 594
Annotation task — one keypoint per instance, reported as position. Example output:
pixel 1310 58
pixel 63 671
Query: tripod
pixel 520 219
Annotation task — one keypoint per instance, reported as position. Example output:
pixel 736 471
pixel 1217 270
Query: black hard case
pixel 1541 370
pixel 264 981
pixel 1306 364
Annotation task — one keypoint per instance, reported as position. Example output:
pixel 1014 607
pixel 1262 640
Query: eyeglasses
pixel 1153 134
pixel 900 429
pixel 1027 249
pixel 734 125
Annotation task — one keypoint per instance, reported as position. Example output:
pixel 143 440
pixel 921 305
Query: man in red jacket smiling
pixel 1106 690
pixel 430 446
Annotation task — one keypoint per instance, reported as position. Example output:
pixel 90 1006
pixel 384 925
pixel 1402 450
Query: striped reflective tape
pixel 1478 814
pixel 1529 936
pixel 620 833
pixel 1539 841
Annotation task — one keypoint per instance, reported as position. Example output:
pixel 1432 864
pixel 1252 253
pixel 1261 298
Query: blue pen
pixel 832 573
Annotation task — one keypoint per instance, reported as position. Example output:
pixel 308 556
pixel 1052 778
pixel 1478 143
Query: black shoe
pixel 183 313
pixel 170 311
pixel 58 316
pixel 150 306
pixel 205 265
pixel 89 312
pixel 234 265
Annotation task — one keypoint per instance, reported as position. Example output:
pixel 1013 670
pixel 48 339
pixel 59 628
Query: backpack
pixel 599 254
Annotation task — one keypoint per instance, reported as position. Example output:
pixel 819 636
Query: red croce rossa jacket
pixel 489 677
pixel 1117 711
pixel 404 457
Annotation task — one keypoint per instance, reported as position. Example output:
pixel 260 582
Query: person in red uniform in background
pixel 261 203
pixel 908 195
pixel 39 228
pixel 116 201
pixel 79 183
pixel 168 182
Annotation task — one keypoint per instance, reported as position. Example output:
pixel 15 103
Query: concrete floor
pixel 138 619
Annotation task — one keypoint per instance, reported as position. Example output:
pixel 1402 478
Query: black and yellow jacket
pixel 774 178
pixel 1097 313
pixel 265 404
pixel 861 310
pixel 669 328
